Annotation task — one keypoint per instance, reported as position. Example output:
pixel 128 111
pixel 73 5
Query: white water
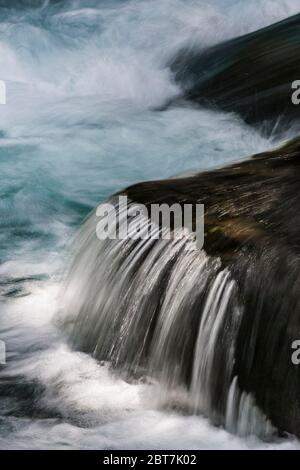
pixel 79 124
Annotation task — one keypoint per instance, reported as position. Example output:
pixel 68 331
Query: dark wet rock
pixel 251 75
pixel 252 222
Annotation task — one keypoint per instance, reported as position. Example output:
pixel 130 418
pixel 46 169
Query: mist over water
pixel 85 80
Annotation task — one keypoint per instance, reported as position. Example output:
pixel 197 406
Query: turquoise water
pixel 84 82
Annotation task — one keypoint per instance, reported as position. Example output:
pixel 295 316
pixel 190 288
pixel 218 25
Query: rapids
pixel 84 81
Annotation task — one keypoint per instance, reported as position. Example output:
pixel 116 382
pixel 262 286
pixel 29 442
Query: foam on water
pixel 83 82
pixel 81 403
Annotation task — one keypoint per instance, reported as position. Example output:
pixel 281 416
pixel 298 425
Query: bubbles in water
pixel 83 81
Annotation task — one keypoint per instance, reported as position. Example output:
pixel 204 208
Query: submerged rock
pixel 251 75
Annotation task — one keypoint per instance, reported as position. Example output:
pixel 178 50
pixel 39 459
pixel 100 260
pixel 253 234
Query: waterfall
pixel 156 307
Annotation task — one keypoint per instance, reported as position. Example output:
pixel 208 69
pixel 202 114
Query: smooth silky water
pixel 84 85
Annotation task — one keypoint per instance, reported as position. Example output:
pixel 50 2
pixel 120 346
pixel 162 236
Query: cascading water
pixel 84 82
pixel 160 308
